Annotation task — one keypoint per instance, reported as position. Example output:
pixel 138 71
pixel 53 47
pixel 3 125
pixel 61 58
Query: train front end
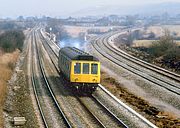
pixel 87 72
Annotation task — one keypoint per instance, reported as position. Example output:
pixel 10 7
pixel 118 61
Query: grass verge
pixel 7 63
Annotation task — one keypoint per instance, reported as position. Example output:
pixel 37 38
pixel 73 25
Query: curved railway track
pixel 121 124
pixel 106 50
pixel 61 113
pixel 164 72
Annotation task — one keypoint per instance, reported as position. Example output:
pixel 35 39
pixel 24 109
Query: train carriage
pixel 79 68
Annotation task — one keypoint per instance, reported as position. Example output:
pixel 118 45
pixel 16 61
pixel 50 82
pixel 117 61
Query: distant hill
pixel 172 8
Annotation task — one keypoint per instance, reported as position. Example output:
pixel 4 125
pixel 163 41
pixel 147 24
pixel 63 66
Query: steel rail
pixel 100 123
pixel 34 86
pixel 110 113
pixel 157 69
pixel 152 67
pixel 127 107
pixel 66 121
pixel 105 43
pixel 124 66
pixel 115 117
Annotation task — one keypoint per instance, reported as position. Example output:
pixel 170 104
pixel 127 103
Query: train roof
pixel 76 54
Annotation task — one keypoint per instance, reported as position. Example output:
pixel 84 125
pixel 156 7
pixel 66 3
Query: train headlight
pixel 76 79
pixel 94 80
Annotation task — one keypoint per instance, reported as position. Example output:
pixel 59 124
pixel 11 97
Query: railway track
pixel 163 72
pixel 34 86
pixel 54 61
pixel 109 44
pixel 130 110
pixel 120 122
pixel 34 83
pixel 156 69
pixel 94 99
pixel 135 66
pixel 112 117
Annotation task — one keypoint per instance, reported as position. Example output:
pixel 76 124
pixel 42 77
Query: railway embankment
pixel 6 70
pixel 156 116
pixel 18 101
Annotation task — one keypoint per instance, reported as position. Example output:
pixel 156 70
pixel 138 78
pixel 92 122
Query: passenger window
pixel 85 68
pixel 77 68
pixel 94 68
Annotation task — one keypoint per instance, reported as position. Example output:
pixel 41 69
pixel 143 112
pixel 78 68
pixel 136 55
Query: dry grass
pixel 7 61
pixel 75 30
pixel 142 43
pixel 147 43
pixel 173 28
pixel 157 30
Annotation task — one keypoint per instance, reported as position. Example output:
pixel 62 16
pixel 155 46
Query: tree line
pixel 11 40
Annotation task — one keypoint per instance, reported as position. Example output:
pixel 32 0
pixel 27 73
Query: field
pixel 147 43
pixel 7 64
pixel 75 30
pixel 158 31
pixel 142 43
pixel 173 28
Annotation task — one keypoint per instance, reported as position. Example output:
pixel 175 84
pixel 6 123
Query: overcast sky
pixel 14 8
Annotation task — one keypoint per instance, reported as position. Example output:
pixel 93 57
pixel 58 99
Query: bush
pixel 11 40
pixel 173 54
pixel 164 46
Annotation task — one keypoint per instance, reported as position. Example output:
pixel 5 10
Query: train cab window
pixel 85 68
pixel 94 68
pixel 77 68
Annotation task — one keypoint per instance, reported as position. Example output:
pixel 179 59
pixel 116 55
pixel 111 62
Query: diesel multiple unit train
pixel 79 68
